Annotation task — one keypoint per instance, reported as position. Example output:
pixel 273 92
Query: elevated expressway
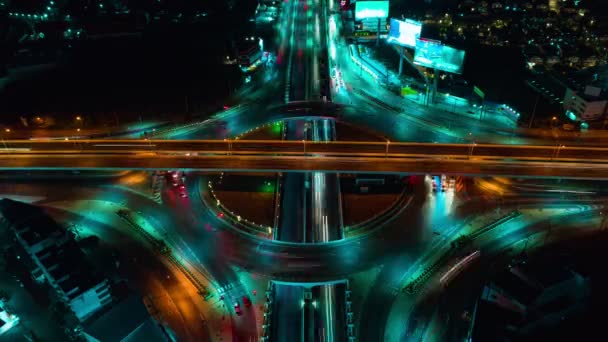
pixel 343 156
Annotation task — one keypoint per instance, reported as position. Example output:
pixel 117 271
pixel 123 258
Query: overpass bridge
pixel 339 156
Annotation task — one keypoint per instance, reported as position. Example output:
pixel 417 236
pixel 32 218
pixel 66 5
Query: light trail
pixel 124 145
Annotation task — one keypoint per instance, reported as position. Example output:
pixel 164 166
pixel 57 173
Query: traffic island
pixel 370 200
pixel 248 199
pixel 247 196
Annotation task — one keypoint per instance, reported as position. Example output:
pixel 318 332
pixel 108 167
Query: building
pixel 7 320
pixel 127 320
pixel 249 53
pixel 267 11
pixel 587 105
pixel 586 97
pixel 528 298
pixel 52 256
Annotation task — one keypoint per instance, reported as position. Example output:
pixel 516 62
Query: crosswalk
pixel 235 289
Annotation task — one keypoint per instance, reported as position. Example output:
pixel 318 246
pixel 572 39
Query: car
pixel 237 309
pixel 183 193
pixel 246 301
pixel 444 183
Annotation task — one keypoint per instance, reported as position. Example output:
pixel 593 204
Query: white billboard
pixel 371 9
pixel 404 33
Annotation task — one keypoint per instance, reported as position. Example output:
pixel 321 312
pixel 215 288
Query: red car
pixel 237 309
pixel 246 301
pixel 182 191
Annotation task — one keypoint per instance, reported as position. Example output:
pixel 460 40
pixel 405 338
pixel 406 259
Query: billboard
pixel 371 9
pixel 404 33
pixel 433 54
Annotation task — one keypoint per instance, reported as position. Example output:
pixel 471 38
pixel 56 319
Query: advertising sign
pixel 433 54
pixel 371 9
pixel 404 33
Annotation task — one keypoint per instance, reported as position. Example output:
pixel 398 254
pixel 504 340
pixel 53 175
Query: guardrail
pixel 331 156
pixel 350 321
pixel 161 248
pixel 277 205
pixel 266 325
pixel 462 240
pixel 239 147
pixel 354 55
pixel 242 223
pixel 399 204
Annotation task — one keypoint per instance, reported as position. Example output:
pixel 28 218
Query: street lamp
pixel 7 130
pixel 554 121
pixel 304 142
pixel 556 153
pixel 229 146
pixel 470 137
pixel 471 149
pixel 388 142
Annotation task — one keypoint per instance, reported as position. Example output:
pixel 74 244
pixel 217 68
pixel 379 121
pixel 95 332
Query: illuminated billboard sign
pixel 404 33
pixel 433 54
pixel 371 9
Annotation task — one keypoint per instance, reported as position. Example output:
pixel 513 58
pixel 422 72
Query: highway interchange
pixel 397 249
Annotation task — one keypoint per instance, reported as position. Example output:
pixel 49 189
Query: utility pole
pixel 434 90
pixel 603 222
pixel 534 111
pixel 400 63
pixel 523 252
pixel 378 34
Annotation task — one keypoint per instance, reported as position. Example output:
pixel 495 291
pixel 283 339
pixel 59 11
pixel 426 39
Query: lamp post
pixel 603 222
pixel 534 111
pixel 229 146
pixel 473 144
pixel 388 142
pixel 6 130
pixel 557 150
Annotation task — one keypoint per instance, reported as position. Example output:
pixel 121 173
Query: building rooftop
pixel 592 83
pixel 23 215
pixel 64 260
pixel 128 320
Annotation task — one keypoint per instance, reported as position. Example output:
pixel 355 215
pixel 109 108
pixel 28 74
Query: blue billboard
pixel 432 54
